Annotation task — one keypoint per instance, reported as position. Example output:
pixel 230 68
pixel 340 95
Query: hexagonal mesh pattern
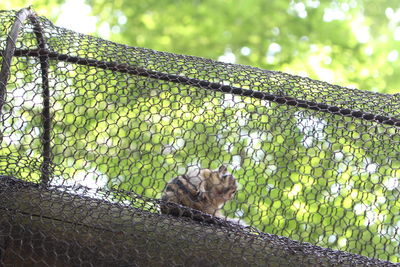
pixel 92 131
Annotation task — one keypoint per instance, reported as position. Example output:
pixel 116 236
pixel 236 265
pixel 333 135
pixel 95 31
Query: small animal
pixel 202 189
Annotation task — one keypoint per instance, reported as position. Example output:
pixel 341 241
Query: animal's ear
pixel 222 169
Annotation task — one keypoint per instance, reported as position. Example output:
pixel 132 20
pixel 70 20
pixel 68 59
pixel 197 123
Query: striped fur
pixel 204 190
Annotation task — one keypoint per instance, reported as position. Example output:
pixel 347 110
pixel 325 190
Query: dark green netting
pixel 91 132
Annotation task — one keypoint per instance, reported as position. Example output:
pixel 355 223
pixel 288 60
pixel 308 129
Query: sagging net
pixel 92 131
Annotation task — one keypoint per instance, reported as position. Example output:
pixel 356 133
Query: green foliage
pixel 347 42
pixel 302 174
pixel 343 42
pixel 307 175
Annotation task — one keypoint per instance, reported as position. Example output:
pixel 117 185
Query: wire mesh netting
pixel 93 134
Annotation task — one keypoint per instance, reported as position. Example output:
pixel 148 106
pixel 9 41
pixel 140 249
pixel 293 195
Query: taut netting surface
pixel 92 131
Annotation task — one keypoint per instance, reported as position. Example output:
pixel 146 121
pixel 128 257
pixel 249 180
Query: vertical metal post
pixel 7 55
pixel 46 118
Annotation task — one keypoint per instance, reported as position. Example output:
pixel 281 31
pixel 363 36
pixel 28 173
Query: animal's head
pixel 220 184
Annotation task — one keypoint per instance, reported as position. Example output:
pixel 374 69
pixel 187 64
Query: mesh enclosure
pixel 92 131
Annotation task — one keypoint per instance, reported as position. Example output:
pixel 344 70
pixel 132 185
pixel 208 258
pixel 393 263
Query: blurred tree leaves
pixel 311 176
pixel 349 42
pixel 342 42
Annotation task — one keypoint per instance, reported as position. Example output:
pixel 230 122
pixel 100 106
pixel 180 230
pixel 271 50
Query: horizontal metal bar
pixel 284 100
